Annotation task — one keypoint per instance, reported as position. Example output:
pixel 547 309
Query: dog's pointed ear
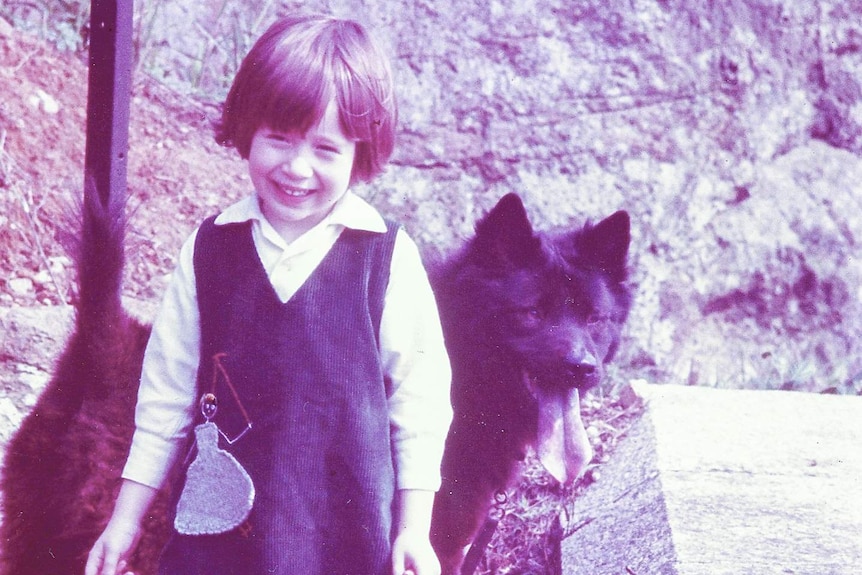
pixel 505 236
pixel 606 244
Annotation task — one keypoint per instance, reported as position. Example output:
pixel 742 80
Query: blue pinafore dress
pixel 307 373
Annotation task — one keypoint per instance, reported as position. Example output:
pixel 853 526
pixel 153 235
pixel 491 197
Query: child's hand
pixel 113 547
pixel 111 550
pixel 412 554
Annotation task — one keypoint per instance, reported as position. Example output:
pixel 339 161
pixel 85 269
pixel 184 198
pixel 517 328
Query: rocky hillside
pixel 731 131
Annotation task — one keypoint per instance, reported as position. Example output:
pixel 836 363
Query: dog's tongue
pixel 562 443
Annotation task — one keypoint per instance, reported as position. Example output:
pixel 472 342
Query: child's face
pixel 299 177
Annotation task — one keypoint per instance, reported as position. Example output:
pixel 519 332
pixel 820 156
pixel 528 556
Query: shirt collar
pixel 350 211
pixel 355 213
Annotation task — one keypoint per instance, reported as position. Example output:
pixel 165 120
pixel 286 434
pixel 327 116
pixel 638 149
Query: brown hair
pixel 295 69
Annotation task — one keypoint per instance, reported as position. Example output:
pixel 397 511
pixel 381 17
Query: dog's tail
pixel 99 258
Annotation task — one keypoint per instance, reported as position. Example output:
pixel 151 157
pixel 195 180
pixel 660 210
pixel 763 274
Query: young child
pixel 318 313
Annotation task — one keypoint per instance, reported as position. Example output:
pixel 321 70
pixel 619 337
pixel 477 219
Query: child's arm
pixel 111 550
pixel 411 551
pixel 414 358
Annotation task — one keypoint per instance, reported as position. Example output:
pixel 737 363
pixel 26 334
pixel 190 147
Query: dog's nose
pixel 581 368
pixel 583 371
pixel 582 365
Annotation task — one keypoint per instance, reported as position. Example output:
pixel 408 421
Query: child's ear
pixel 606 245
pixel 504 237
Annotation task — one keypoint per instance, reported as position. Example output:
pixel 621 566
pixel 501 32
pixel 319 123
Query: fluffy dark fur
pixel 62 467
pixel 526 317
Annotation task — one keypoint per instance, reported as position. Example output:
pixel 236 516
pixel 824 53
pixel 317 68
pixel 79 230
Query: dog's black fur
pixel 528 318
pixel 525 316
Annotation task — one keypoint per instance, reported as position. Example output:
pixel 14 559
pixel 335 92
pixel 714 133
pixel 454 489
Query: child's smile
pixel 299 177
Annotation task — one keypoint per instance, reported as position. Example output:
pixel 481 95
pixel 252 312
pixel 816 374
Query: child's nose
pixel 298 165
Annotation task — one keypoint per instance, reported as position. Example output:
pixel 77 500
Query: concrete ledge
pixel 726 482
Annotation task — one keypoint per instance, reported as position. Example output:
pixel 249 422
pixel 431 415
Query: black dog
pixel 529 320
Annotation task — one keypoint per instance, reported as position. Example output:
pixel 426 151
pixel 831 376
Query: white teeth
pixel 295 192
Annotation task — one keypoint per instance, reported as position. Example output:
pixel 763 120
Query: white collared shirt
pixel 412 352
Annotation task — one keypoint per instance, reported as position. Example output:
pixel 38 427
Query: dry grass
pixel 24 228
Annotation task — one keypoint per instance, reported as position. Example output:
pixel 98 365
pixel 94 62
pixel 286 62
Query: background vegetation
pixel 731 132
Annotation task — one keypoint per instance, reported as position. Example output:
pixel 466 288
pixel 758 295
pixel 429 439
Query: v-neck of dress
pixel 261 271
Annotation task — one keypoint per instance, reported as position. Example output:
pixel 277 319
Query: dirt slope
pixel 177 173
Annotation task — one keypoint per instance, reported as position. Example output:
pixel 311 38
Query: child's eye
pixel 281 138
pixel 327 146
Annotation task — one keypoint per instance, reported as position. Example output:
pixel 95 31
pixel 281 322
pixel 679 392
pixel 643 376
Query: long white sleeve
pixel 166 396
pixel 414 357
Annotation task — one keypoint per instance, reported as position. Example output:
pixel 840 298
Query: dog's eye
pixel 596 319
pixel 529 316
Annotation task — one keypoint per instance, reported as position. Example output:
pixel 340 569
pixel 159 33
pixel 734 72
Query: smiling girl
pixel 309 316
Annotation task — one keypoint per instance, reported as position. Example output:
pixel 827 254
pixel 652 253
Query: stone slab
pixel 717 482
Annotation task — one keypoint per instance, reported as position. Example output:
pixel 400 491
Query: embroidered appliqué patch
pixel 218 494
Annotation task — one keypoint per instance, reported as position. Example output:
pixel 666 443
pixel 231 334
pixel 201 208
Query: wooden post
pixel 108 92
